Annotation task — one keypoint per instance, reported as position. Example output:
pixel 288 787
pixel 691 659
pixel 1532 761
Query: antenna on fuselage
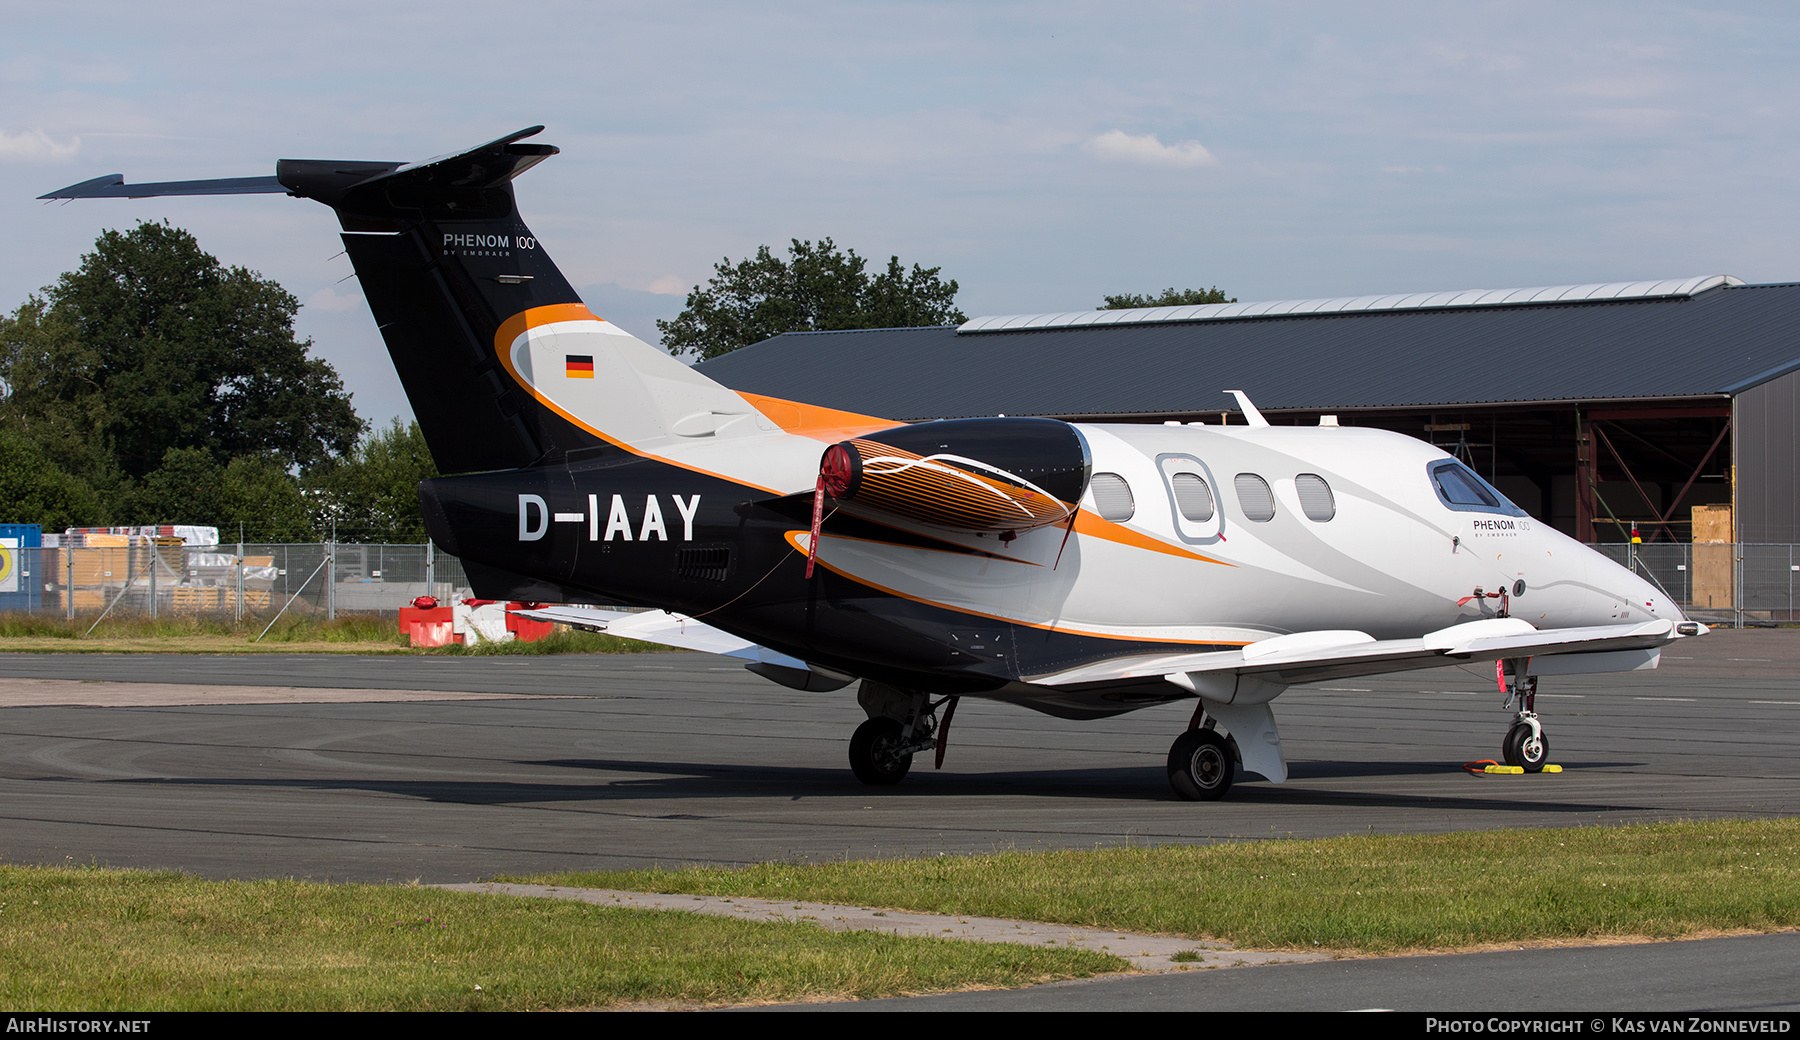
pixel 1252 417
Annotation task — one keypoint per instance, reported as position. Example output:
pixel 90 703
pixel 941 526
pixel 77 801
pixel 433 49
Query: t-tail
pixel 503 364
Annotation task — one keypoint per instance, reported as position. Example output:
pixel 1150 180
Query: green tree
pixel 50 397
pixel 253 493
pixel 151 345
pixel 374 494
pixel 902 299
pixel 1170 297
pixel 261 494
pixel 187 488
pixel 33 490
pixel 816 288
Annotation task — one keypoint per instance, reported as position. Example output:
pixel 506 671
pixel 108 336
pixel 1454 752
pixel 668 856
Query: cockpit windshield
pixel 1460 488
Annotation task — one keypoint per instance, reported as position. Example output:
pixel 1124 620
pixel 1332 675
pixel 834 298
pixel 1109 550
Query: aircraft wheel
pixel 875 755
pixel 1200 765
pixel 1522 749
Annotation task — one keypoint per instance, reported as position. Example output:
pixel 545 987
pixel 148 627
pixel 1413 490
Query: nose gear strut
pixel 1525 744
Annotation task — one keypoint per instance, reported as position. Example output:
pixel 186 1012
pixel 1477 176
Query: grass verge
pixel 354 634
pixel 94 939
pixel 1370 894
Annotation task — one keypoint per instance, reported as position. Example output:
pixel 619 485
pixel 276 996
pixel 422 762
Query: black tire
pixel 1522 751
pixel 1200 766
pixel 874 756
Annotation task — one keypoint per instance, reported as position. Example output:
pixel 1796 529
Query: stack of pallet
pixel 1714 558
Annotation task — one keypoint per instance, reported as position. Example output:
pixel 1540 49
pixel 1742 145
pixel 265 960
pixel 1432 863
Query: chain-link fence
pixel 1724 582
pixel 164 578
pixel 1728 583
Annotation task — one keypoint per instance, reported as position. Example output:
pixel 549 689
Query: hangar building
pixel 1592 406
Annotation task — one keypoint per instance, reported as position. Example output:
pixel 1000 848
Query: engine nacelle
pixel 990 475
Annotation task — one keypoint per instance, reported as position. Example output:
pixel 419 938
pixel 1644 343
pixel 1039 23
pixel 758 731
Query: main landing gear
pixel 900 725
pixel 1201 762
pixel 1525 745
pixel 880 754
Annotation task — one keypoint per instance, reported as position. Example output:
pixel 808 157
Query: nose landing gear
pixel 1525 745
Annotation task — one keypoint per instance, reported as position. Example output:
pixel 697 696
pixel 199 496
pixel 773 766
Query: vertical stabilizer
pixel 503 364
pixel 445 260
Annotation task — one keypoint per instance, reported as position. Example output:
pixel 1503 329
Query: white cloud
pixel 1619 88
pixel 670 285
pixel 327 300
pixel 1119 146
pixel 35 146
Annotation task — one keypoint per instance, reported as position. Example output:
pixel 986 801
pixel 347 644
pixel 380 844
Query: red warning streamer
pixel 835 470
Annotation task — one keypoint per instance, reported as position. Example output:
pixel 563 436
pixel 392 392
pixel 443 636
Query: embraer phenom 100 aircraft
pixel 1082 570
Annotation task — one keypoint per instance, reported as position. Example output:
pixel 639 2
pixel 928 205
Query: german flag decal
pixel 579 366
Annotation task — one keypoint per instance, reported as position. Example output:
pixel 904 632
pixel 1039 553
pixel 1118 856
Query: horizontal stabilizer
pixel 483 166
pixel 486 165
pixel 113 186
pixel 456 186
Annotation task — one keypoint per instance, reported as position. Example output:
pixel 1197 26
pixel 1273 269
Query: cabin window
pixel 1192 496
pixel 1255 498
pixel 1112 497
pixel 1315 497
pixel 1463 490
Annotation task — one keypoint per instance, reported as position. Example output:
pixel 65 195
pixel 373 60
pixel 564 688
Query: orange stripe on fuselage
pixel 793 539
pixel 1094 527
pixel 811 420
pixel 532 318
pixel 805 420
pixel 517 325
pixel 954 550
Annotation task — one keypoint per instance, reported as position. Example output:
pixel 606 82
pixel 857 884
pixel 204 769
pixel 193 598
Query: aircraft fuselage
pixel 923 605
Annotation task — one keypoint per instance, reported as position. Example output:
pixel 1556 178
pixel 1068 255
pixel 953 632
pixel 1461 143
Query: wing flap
pixel 1306 656
pixel 660 626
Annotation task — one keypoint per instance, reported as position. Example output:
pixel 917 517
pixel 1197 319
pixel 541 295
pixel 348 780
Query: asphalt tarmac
pixel 455 769
pixel 576 762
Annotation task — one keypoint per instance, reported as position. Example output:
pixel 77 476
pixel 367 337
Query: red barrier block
pixel 526 630
pixel 429 627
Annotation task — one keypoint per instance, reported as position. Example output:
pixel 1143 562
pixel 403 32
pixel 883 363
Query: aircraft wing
pixel 660 626
pixel 1312 656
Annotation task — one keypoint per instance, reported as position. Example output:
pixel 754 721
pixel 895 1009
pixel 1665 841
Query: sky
pixel 1042 154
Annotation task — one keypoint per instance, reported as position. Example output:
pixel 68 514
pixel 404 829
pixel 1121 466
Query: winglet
pixel 1251 415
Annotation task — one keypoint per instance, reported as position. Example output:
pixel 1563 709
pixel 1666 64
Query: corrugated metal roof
pixel 1426 301
pixel 1715 342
